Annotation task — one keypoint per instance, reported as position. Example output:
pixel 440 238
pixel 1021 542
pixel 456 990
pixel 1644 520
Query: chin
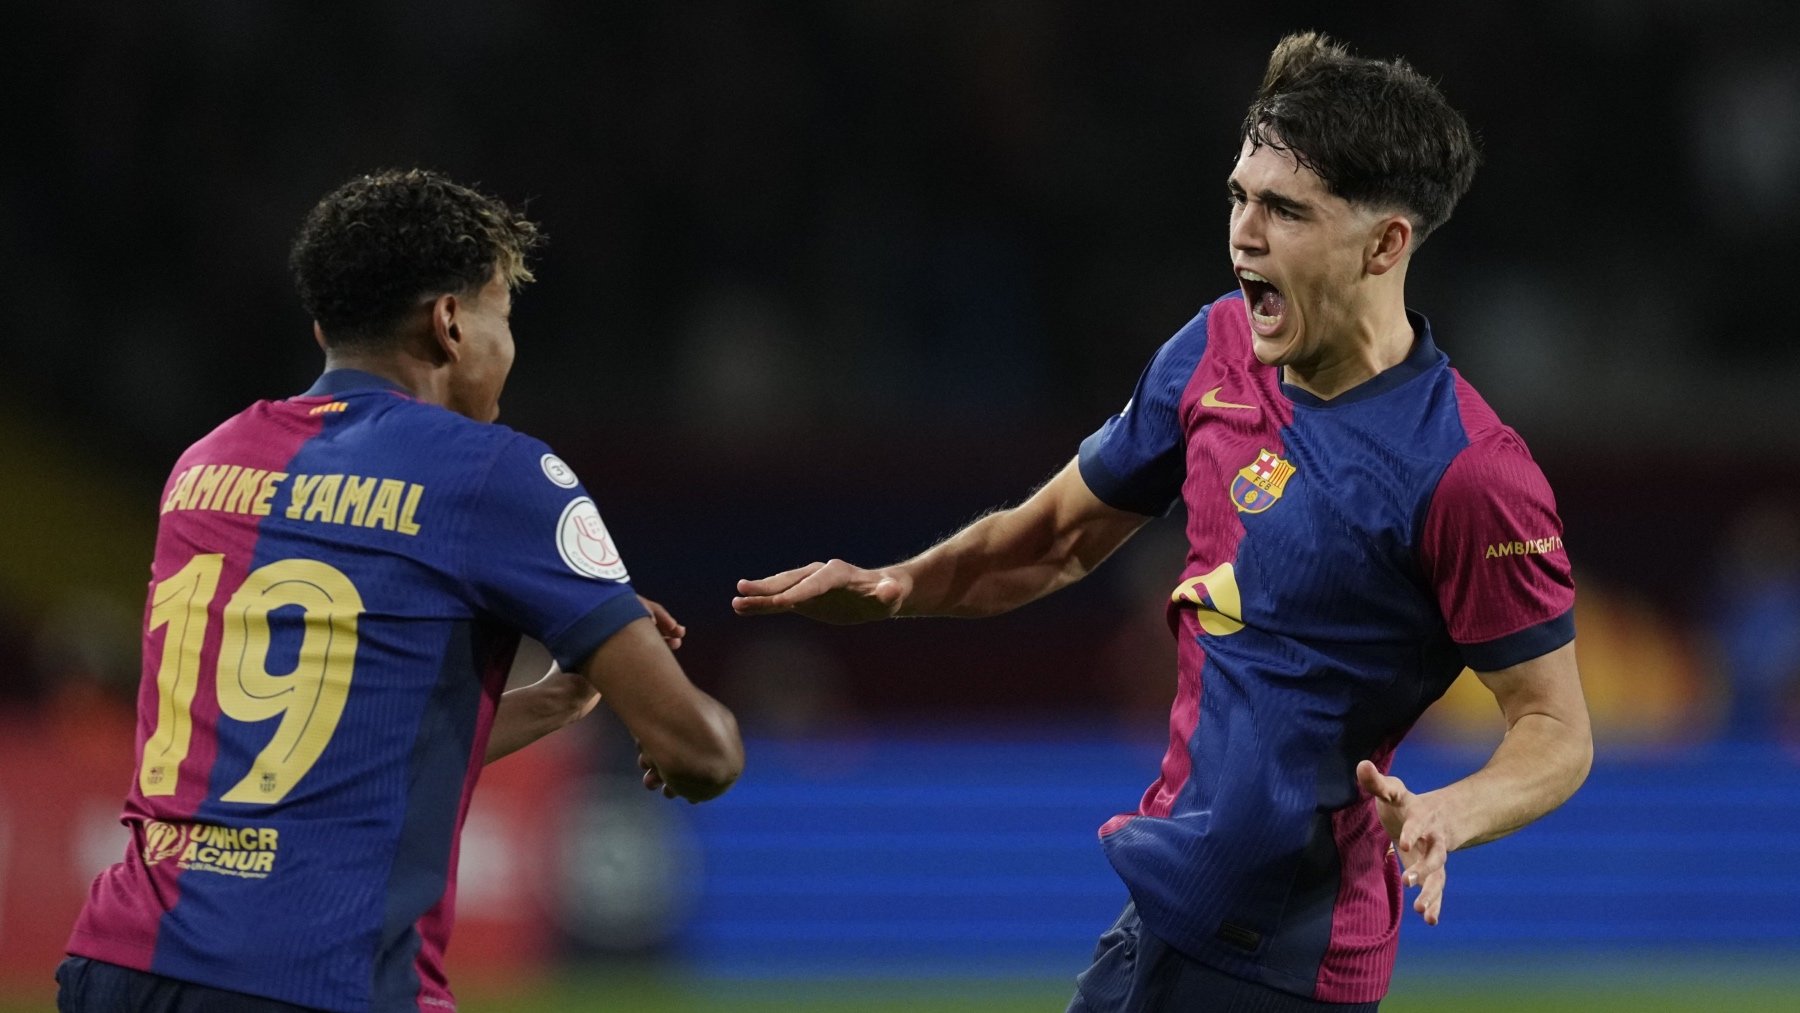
pixel 1272 351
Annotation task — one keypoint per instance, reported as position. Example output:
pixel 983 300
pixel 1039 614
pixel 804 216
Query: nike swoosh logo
pixel 1211 400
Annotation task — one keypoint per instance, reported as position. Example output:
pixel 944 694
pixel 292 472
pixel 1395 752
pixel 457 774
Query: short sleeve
pixel 1492 550
pixel 538 556
pixel 1135 461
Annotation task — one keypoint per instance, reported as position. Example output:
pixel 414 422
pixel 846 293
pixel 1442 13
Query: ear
pixel 1389 244
pixel 446 327
pixel 319 338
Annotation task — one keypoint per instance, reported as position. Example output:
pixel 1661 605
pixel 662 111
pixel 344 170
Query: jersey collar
pixel 1422 359
pixel 345 381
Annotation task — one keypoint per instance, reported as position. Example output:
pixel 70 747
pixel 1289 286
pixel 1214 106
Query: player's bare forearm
pixel 1016 556
pixel 560 698
pixel 529 713
pixel 681 777
pixel 1545 756
pixel 686 738
pixel 1004 560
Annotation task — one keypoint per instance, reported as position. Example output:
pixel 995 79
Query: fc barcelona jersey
pixel 1346 559
pixel 339 586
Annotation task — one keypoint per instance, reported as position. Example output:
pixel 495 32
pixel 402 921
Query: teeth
pixel 1248 275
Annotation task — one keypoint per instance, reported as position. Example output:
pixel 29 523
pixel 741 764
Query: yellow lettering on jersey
pixel 271 481
pixel 227 482
pixel 243 491
pixel 247 852
pixel 1532 547
pixel 207 486
pixel 180 603
pixel 324 498
pixel 309 698
pixel 408 526
pixel 362 501
pixel 184 487
pixel 353 499
pixel 385 511
pixel 303 489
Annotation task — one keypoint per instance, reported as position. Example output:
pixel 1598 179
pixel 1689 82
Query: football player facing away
pixel 340 581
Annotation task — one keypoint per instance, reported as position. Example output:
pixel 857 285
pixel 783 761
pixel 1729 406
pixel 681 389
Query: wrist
pixel 1453 816
pixel 898 581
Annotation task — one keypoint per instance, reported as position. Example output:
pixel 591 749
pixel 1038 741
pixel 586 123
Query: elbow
pixel 1578 760
pixel 1584 760
pixel 724 753
pixel 710 759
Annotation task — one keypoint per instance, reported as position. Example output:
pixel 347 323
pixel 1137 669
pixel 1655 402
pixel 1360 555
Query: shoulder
pixel 457 438
pixel 1220 328
pixel 477 465
pixel 1493 459
pixel 1226 324
pixel 1493 483
pixel 1479 420
pixel 259 424
pixel 516 456
pixel 1188 343
pixel 1493 492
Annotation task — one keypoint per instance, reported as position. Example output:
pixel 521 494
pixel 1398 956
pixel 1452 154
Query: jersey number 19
pixel 309 700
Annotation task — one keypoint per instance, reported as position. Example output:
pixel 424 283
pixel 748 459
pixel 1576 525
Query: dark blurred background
pixel 832 279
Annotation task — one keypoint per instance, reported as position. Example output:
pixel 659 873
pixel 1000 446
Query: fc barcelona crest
pixel 1259 484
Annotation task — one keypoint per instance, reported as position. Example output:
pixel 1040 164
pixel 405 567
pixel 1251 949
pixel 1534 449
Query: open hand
pixel 1419 826
pixel 834 592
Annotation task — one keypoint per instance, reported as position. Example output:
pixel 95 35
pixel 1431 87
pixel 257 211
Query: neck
pixel 422 380
pixel 1371 343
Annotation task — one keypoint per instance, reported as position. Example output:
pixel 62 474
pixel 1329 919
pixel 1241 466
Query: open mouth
pixel 1265 302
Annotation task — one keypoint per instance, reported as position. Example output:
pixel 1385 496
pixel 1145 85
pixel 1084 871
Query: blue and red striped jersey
pixel 339 585
pixel 1346 559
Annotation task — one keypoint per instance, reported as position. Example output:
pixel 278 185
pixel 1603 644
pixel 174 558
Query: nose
pixel 1246 229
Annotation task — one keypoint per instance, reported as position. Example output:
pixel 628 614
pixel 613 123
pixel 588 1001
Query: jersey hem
pixel 584 636
pixel 1112 490
pixel 137 956
pixel 1517 648
pixel 1294 983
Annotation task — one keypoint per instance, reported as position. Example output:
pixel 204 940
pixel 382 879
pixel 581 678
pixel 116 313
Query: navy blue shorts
pixel 1135 972
pixel 94 986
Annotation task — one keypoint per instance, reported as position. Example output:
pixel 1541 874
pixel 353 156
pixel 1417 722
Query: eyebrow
pixel 1273 198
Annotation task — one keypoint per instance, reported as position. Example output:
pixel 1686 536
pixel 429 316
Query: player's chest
pixel 1305 509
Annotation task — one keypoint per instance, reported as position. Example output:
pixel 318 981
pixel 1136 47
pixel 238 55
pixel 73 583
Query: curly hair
pixel 1377 132
pixel 371 249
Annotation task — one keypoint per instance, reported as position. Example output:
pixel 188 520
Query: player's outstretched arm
pixel 1544 757
pixel 559 699
pixel 689 741
pixel 1004 560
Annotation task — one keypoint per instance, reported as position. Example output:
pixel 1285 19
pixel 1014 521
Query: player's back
pixel 319 676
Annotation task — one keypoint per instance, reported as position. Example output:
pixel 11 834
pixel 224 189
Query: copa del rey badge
pixel 1260 483
pixel 585 544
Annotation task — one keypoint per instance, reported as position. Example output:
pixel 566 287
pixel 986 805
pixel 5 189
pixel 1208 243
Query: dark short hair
pixel 371 249
pixel 1377 132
